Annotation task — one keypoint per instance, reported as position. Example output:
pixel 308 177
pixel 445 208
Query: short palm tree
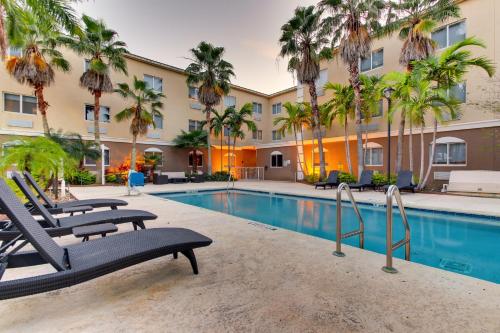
pixel 236 120
pixel 371 95
pixel 353 22
pixel 414 21
pixel 39 40
pixel 76 148
pixel 212 74
pixel 58 11
pixel 292 123
pixel 304 40
pixel 218 124
pixel 192 140
pixel 145 107
pixel 104 52
pixel 341 108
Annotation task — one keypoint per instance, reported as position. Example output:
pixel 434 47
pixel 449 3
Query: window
pixel 321 81
pixel 378 113
pixel 227 131
pixel 19 103
pixel 458 92
pixel 86 65
pixel 229 101
pixel 257 110
pixel 277 108
pixel 199 159
pixel 257 135
pixel 193 92
pixel 449 34
pixel 104 114
pixel 316 156
pixel 450 151
pixel 374 154
pixel 374 60
pixel 15 52
pixel 155 153
pixel 106 157
pixel 158 121
pixel 276 159
pixel 231 158
pixel 195 125
pixel 154 82
pixel 276 135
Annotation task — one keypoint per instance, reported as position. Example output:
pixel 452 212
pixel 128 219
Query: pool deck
pixel 253 279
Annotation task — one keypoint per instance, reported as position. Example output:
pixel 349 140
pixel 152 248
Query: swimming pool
pixel 464 244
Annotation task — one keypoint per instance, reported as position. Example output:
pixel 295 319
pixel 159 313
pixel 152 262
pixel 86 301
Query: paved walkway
pixel 257 280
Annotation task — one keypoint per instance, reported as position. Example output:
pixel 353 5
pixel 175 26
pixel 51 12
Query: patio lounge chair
pixel 366 180
pixel 57 208
pixel 331 181
pixel 404 182
pixel 84 261
pixel 64 225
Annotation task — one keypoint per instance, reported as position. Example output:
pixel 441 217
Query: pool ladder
pixel 229 182
pixel 392 193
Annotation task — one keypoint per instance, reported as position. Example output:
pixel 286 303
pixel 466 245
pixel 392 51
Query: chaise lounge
pixel 404 182
pixel 365 181
pixel 84 261
pixel 331 181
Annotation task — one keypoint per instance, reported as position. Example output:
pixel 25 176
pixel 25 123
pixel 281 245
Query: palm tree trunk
pixel 42 107
pixel 315 111
pixel 221 155
pixel 3 37
pixel 356 85
pixel 97 134
pixel 229 154
pixel 296 147
pixel 133 154
pixel 431 156
pixel 303 152
pixel 347 147
pixel 401 134
pixel 410 146
pixel 195 162
pixel 422 155
pixel 366 147
pixel 234 153
pixel 208 110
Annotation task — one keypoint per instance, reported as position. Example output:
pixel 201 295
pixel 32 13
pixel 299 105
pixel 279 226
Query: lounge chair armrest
pixel 92 230
pixel 76 209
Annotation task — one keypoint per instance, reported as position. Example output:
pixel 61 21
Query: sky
pixel 165 31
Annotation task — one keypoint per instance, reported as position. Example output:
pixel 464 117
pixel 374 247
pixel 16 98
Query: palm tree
pixel 304 39
pixel 39 41
pixel 342 108
pixel 236 120
pixel 371 95
pixel 292 123
pixel 353 22
pixel 448 70
pixel 192 140
pixel 105 52
pixel 415 20
pixel 76 148
pixel 58 11
pixel 217 124
pixel 145 107
pixel 212 74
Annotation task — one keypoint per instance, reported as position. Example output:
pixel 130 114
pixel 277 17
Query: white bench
pixel 175 176
pixel 475 181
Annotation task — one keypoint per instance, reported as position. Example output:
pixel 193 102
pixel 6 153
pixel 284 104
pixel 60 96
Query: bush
pixel 380 179
pixel 311 179
pixel 345 177
pixel 219 176
pixel 81 177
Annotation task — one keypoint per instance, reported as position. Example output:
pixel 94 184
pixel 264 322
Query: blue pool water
pixel 463 244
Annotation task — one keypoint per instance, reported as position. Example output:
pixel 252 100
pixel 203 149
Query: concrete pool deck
pixel 259 280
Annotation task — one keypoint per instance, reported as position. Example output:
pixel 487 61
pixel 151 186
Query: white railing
pixel 248 173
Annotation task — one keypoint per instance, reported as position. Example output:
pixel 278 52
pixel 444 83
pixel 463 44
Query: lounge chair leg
pixel 176 255
pixel 114 208
pixel 192 259
pixel 139 224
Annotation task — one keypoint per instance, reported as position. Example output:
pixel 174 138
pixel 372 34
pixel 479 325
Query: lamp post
pixel 387 94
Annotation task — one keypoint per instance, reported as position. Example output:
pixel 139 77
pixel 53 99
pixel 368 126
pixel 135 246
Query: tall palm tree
pixel 192 140
pixel 58 11
pixel 342 108
pixel 217 124
pixel 236 120
pixel 414 21
pixel 371 95
pixel 353 22
pixel 304 39
pixel 39 40
pixel 448 70
pixel 145 107
pixel 104 52
pixel 212 74
pixel 292 123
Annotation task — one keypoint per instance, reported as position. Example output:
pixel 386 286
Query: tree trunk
pixel 347 147
pixel 431 156
pixel 410 150
pixel 229 154
pixel 366 147
pixel 401 135
pixel 297 148
pixel 42 107
pixel 356 85
pixel 221 155
pixel 133 154
pixel 315 111
pixel 97 134
pixel 3 38
pixel 234 153
pixel 303 152
pixel 422 156
pixel 195 162
pixel 208 112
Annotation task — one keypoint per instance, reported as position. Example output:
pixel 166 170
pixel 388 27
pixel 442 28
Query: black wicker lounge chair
pixel 365 181
pixel 58 208
pixel 84 261
pixel 404 182
pixel 331 181
pixel 64 225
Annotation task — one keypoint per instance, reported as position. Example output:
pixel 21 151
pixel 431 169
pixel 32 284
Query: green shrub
pixel 219 176
pixel 311 179
pixel 81 177
pixel 345 177
pixel 380 179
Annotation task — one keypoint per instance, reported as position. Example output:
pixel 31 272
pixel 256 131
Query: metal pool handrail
pixel 228 181
pixel 393 192
pixel 339 236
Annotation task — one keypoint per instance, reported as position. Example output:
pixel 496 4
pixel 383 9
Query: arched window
pixel 199 159
pixel 316 156
pixel 374 154
pixel 232 159
pixel 154 152
pixel 450 151
pixel 276 159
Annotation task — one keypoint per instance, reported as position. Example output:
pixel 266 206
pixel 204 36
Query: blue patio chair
pixel 135 180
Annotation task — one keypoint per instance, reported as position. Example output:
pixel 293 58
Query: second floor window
pixel 257 110
pixel 158 121
pixel 154 82
pixel 257 135
pixel 321 81
pixel 276 135
pixel 374 60
pixel 104 114
pixel 378 113
pixel 193 92
pixel 19 103
pixel 229 101
pixel 449 34
pixel 195 125
pixel 276 108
